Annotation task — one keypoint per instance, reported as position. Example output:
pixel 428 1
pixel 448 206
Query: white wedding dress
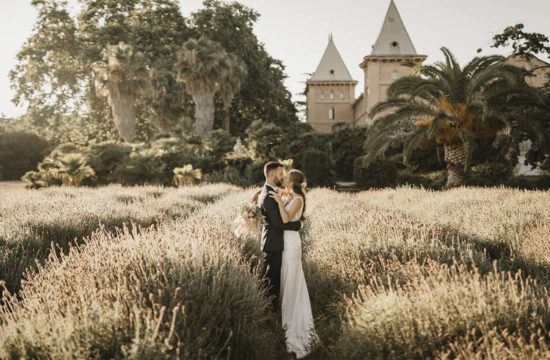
pixel 297 319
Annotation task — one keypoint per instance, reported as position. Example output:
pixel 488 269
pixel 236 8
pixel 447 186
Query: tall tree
pixel 447 105
pixel 54 78
pixel 155 28
pixel 263 94
pixel 522 42
pixel 205 68
pixel 48 76
pixel 231 85
pixel 122 77
pixel 528 45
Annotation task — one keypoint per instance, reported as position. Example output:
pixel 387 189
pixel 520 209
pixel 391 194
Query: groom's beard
pixel 278 183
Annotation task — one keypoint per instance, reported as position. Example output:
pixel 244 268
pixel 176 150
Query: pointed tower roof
pixel 394 38
pixel 331 67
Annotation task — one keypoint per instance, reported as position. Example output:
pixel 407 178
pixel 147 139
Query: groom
pixel 272 232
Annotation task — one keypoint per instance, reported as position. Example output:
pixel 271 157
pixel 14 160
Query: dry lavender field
pixel 156 273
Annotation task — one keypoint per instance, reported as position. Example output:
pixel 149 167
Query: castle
pixel 330 92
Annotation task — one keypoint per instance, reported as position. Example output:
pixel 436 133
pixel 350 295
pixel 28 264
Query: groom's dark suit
pixel 273 242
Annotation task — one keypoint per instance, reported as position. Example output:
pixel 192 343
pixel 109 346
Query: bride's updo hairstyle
pixel 298 181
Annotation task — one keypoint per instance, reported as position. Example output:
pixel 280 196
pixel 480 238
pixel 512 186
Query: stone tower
pixel 384 64
pixel 330 92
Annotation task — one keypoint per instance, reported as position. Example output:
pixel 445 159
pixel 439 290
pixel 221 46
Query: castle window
pixel 322 96
pixel 341 96
pixel 332 71
pixel 394 44
pixel 331 95
pixel 394 75
pixel 331 113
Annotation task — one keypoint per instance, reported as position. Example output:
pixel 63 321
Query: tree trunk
pixel 226 120
pixel 124 114
pixel 204 112
pixel 455 158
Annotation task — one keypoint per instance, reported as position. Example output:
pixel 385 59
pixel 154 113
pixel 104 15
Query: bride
pixel 297 319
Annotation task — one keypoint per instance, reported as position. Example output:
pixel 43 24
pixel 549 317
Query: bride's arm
pixel 286 216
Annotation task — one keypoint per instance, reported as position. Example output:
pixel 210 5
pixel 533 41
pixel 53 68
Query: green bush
pixel 20 151
pixel 219 142
pixel 300 143
pixel 204 154
pixel 408 177
pixel 489 174
pixel 378 174
pixel 105 157
pixel 317 168
pixel 254 172
pixel 426 160
pixel 66 164
pixel 142 167
pixel 265 140
pixel 529 182
pixel 347 145
pixel 235 170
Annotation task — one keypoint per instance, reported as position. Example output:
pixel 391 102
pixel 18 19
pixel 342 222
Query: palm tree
pixel 206 68
pixel 166 98
pixel 73 169
pixel 122 77
pixel 446 105
pixel 231 85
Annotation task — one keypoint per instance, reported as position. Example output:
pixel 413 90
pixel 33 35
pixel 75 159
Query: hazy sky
pixel 296 31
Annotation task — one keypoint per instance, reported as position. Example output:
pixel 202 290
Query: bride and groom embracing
pixel 282 202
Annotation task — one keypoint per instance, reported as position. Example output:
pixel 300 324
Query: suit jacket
pixel 273 228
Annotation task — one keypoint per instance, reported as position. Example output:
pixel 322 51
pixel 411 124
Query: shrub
pixel 426 160
pixel 67 164
pixel 378 174
pixel 188 150
pixel 408 177
pixel 300 143
pixel 20 151
pixel 489 174
pixel 234 171
pixel 265 140
pixel 254 172
pixel 541 182
pixel 73 169
pixel 186 175
pixel 347 145
pixel 105 157
pixel 317 168
pixel 219 142
pixel 142 167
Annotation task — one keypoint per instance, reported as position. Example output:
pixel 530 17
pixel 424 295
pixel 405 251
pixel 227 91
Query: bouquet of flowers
pixel 249 221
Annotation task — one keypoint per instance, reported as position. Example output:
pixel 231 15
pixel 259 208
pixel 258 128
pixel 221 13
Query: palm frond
pixel 413 142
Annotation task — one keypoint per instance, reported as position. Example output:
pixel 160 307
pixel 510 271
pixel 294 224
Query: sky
pixel 296 31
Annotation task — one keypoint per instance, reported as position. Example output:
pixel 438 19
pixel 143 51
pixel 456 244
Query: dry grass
pixel 32 221
pixel 403 274
pixel 410 273
pixel 181 290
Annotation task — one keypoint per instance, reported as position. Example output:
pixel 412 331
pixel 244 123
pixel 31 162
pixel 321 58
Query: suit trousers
pixel 271 274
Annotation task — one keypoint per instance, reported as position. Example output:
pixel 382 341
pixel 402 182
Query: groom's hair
pixel 272 165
